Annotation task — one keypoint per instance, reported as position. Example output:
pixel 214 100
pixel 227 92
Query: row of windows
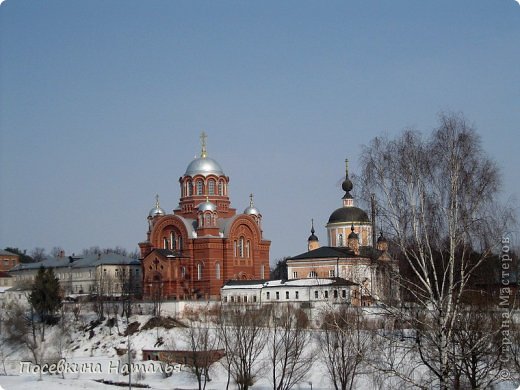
pixel 242 248
pixel 314 274
pixel 239 299
pixel 201 187
pixel 173 242
pixel 335 294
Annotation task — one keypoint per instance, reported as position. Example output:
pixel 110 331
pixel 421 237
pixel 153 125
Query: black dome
pixel 312 237
pixel 348 214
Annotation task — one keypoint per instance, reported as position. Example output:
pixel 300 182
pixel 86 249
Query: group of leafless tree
pixel 438 202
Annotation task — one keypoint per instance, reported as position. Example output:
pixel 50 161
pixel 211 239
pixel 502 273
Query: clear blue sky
pixel 102 103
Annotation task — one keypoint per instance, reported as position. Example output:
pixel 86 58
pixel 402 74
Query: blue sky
pixel 102 104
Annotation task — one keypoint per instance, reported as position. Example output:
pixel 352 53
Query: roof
pixel 245 284
pixel 168 253
pixel 348 214
pixel 310 282
pixel 204 166
pixel 325 252
pixel 78 262
pixel 7 253
pixel 4 274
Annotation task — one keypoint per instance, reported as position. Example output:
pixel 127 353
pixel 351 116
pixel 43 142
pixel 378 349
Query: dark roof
pixel 348 214
pixel 93 260
pixel 245 282
pixel 312 237
pixel 325 252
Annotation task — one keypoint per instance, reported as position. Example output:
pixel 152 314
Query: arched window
pixel 247 249
pixel 217 271
pixel 211 187
pixel 180 243
pixel 221 187
pixel 199 271
pixel 241 246
pixel 172 241
pixel 165 243
pixel 199 187
pixel 340 240
pixel 190 188
pixel 235 248
pixel 207 221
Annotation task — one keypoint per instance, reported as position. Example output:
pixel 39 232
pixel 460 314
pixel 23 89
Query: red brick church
pixel 194 251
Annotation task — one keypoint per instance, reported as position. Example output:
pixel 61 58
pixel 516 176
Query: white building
pixel 301 293
pixel 104 274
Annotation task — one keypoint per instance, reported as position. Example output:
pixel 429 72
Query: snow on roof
pixel 258 284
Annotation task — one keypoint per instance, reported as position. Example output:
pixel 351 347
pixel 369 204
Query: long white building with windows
pixel 312 293
pixel 106 274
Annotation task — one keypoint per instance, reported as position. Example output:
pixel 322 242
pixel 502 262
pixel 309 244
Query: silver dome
pixel 204 166
pixel 157 210
pixel 207 206
pixel 251 210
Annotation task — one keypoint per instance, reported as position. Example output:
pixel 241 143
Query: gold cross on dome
pixel 203 152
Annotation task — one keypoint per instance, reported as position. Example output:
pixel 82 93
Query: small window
pixel 316 294
pixel 267 295
pixel 340 240
pixel 245 299
pixel 225 299
pixel 313 274
pixel 254 298
pixel 297 295
pixel 332 273
pixel 335 294
pixel 211 187
pixel 199 187
pixel 343 293
pixel 241 247
pixel 217 271
pixel 232 298
pixel 277 295
pixel 199 271
pixel 295 275
pixel 326 294
pixel 221 188
pixel 172 241
pixel 287 295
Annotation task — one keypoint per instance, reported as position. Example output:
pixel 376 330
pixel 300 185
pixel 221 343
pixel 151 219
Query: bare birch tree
pixel 243 335
pixel 437 201
pixel 344 344
pixel 202 342
pixel 290 354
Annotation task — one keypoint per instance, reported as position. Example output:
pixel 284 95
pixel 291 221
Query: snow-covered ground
pixel 97 359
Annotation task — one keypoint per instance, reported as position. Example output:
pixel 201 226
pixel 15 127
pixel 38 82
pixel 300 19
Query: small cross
pixel 203 137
